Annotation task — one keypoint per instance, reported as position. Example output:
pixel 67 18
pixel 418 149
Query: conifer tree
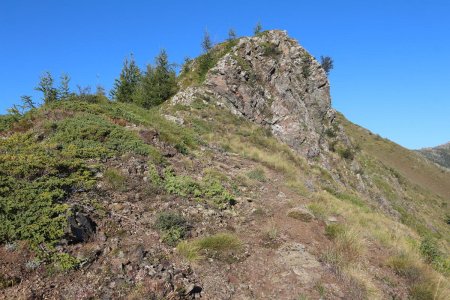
pixel 327 63
pixel 50 94
pixel 27 102
pixel 158 83
pixel 125 86
pixel 64 90
pixel 257 28
pixel 206 43
pixel 231 34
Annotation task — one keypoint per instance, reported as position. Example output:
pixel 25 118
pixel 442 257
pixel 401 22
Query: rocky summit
pixel 235 179
pixel 272 81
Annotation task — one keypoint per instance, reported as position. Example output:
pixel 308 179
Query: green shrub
pixel 65 262
pixel 181 185
pixel 346 153
pixel 306 65
pixel 270 49
pixel 173 227
pixel 173 235
pixel 209 189
pixel 196 73
pixel 330 132
pixel 92 136
pixel 35 180
pixel 6 121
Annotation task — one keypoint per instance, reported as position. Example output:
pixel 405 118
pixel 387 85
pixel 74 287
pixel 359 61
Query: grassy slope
pixel 360 227
pixel 408 163
pixel 363 225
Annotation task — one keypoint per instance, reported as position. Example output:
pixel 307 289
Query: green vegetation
pixel 258 28
pixel 36 178
pixel 126 85
pixel 334 230
pixel 257 174
pixel 219 242
pixel 52 153
pixel 327 63
pixel 209 189
pixel 173 227
pixel 231 35
pixel 115 179
pixel 86 135
pixel 270 49
pixel 306 65
pixel 50 94
pixel 194 72
pixel 151 88
pixel 218 245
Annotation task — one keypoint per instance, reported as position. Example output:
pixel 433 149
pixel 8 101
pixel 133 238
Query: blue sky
pixel 392 58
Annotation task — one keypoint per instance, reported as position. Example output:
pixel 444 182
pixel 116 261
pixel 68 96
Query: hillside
pixel 439 154
pixel 246 184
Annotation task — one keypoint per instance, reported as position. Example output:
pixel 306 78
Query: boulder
pixel 81 228
pixel 300 213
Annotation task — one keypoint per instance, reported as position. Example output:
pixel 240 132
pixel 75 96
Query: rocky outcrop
pixel 439 155
pixel 273 81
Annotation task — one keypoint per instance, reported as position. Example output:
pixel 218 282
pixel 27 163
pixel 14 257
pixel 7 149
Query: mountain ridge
pixel 204 194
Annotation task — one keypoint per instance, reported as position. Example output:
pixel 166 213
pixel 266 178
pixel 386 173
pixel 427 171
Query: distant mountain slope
pixel 411 165
pixel 439 154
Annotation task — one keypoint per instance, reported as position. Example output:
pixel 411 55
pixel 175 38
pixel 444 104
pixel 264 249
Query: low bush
pixel 270 49
pixel 172 226
pixel 209 189
pixel 35 181
pixel 91 136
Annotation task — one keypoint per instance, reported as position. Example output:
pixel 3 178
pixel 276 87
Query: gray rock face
pixel 271 80
pixel 439 155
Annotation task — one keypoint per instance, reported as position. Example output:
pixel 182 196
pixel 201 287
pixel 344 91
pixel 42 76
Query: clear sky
pixel 392 58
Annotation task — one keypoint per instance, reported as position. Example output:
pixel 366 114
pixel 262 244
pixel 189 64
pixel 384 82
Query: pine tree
pixel 158 83
pixel 327 63
pixel 27 102
pixel 50 94
pixel 64 90
pixel 125 87
pixel 231 34
pixel 100 91
pixel 257 28
pixel 206 43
